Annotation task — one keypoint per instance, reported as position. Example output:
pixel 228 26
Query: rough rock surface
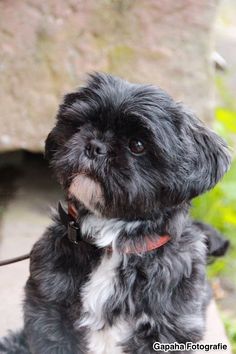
pixel 46 47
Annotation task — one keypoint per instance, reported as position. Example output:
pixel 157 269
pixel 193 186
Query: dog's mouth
pixel 88 192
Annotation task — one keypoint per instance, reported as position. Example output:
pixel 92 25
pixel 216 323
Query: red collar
pixel 149 244
pixel 74 234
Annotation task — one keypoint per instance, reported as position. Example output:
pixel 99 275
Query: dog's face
pixel 128 150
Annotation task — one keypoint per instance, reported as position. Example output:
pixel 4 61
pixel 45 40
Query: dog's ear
pixel 51 145
pixel 58 134
pixel 205 155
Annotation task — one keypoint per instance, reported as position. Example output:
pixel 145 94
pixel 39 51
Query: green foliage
pixel 225 124
pixel 225 93
pixel 227 118
pixel 230 326
pixel 218 208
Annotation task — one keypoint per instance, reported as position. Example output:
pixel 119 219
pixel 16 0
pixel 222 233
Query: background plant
pixel 218 208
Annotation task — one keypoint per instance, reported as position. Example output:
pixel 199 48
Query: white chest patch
pixel 101 286
pixel 107 340
pixel 101 338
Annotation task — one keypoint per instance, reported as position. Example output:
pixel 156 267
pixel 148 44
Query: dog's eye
pixel 136 146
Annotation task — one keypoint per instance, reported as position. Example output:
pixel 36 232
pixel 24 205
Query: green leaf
pixel 228 118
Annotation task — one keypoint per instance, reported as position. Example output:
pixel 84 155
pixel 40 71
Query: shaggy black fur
pixel 15 343
pixel 150 157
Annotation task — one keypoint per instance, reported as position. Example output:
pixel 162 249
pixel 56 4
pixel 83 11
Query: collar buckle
pixel 73 232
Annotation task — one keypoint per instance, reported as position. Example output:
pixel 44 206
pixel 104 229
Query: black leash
pixel 14 260
pixel 67 219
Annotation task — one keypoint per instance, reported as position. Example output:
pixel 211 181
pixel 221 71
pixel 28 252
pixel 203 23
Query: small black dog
pixel 126 266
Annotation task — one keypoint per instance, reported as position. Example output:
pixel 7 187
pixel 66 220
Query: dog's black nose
pixel 95 148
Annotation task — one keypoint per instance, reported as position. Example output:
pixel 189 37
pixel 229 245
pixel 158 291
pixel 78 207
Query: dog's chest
pixel 101 288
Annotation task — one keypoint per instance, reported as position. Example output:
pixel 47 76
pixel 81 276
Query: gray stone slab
pixel 47 47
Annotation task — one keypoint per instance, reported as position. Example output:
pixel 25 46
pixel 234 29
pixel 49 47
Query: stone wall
pixel 47 47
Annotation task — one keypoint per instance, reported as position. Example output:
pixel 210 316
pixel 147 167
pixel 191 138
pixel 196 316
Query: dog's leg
pixel 146 345
pixel 49 331
pixel 14 343
pixel 150 332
